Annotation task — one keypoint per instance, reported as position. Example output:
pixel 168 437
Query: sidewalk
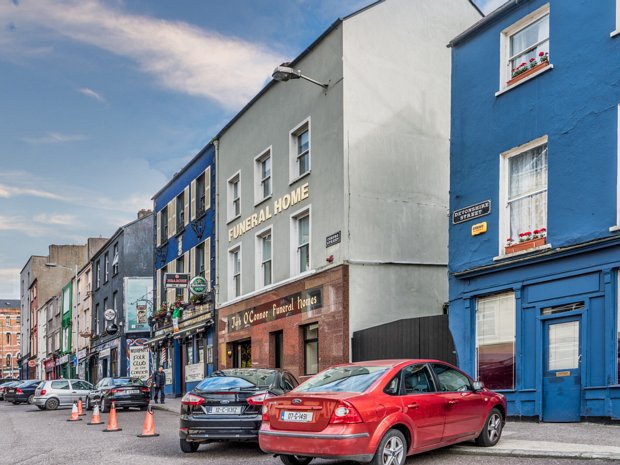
pixel 586 441
pixel 552 440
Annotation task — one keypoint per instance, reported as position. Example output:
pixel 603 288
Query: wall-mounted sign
pixel 304 301
pixel 138 292
pixel 333 239
pixel 479 228
pixel 195 372
pixel 61 360
pixel 109 314
pixel 471 212
pixel 104 353
pixel 168 372
pixel 139 362
pixel 279 205
pixel 176 280
pixel 198 285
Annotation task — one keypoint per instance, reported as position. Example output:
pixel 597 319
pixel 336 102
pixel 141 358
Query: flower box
pixel 526 245
pixel 527 73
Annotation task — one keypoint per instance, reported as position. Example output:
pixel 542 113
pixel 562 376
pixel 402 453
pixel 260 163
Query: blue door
pixel 562 370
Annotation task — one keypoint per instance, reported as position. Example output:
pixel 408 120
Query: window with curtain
pixel 303 242
pixel 265 241
pixel 495 340
pixel 529 41
pixel 527 190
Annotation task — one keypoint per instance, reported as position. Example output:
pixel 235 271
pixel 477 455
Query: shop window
pixel 242 354
pixel 114 362
pixel 523 185
pixel 300 151
pixel 495 341
pixel 311 349
pixel 189 352
pixel 200 347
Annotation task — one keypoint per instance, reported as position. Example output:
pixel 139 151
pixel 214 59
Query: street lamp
pixel 77 313
pixel 284 73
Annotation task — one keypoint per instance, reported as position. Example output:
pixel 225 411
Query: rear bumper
pixel 39 401
pixel 238 428
pixel 120 402
pixel 16 398
pixel 332 443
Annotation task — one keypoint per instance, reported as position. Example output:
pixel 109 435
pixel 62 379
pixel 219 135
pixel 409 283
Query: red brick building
pixel 9 338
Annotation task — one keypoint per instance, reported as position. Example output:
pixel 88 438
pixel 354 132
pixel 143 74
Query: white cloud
pixel 58 219
pixel 9 283
pixel 180 56
pixel 91 93
pixel 54 138
pixel 7 192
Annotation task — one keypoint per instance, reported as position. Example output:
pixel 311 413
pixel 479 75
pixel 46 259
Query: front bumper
pixel 225 428
pixel 350 442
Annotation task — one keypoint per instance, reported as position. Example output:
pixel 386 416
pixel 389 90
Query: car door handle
pixel 73 392
pixel 453 402
pixel 413 405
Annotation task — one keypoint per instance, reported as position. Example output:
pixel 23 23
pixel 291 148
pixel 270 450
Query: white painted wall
pixel 396 145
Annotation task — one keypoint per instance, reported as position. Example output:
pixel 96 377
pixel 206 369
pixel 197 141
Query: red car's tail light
pixel 191 399
pixel 345 413
pixel 145 389
pixel 43 392
pixel 18 391
pixel 265 413
pixel 258 399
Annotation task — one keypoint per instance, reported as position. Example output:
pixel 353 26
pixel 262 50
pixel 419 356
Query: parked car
pixel 380 412
pixel 52 394
pixel 23 392
pixel 226 406
pixel 7 380
pixel 7 385
pixel 124 392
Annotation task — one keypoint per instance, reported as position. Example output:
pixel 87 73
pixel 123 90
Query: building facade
pixel 332 200
pixel 51 366
pixel 82 320
pixel 183 336
pixel 10 326
pixel 534 245
pixel 122 275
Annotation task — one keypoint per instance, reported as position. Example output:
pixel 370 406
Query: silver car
pixel 52 394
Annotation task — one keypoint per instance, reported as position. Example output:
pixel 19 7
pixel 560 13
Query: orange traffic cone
pixel 74 413
pixel 96 419
pixel 148 429
pixel 112 424
pixel 80 411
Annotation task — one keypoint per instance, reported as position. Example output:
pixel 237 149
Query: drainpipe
pixel 214 338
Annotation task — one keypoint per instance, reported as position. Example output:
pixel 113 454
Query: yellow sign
pixel 479 228
pixel 562 373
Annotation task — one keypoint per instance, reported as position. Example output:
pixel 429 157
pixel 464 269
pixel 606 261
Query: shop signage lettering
pixel 139 362
pixel 280 308
pixel 195 372
pixel 279 205
pixel 198 285
pixel 176 280
pixel 63 359
pixel 104 353
pixel 471 212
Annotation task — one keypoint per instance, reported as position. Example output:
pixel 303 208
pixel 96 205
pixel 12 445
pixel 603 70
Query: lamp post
pixel 284 72
pixel 77 313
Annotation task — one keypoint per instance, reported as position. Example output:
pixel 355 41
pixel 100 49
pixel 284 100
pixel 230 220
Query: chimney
pixel 144 213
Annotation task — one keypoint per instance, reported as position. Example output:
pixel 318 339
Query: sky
pixel 102 101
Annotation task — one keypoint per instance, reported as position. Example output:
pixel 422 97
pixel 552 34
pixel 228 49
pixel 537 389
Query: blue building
pixel 534 236
pixel 183 333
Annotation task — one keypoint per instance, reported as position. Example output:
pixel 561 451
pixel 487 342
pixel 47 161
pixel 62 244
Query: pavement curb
pixel 544 454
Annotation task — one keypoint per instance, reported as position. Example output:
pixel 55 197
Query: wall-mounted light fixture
pixel 284 73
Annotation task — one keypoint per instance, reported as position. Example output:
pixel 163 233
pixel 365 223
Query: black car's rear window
pixel 127 382
pixel 232 380
pixel 343 379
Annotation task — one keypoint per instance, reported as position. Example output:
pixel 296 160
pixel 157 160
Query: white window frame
pixel 258 175
pixel 230 201
pixel 504 182
pixel 295 264
pixel 231 272
pixel 259 259
pixel 293 155
pixel 505 72
pixel 616 31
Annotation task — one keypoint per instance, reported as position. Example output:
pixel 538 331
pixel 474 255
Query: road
pixel 30 436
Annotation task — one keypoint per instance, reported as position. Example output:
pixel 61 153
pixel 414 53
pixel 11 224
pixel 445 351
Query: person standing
pixel 159 383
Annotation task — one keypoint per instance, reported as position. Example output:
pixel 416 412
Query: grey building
pixel 53 345
pixel 122 280
pixel 333 200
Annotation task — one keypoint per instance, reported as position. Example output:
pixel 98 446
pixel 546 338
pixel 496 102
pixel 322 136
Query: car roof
pixel 393 362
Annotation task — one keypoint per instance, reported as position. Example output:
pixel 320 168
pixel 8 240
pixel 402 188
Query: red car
pixel 380 412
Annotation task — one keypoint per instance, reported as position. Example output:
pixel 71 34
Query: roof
pixel 487 21
pixel 10 303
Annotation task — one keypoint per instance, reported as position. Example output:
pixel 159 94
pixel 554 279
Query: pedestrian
pixel 159 382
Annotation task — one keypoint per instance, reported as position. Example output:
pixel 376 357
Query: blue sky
pixel 102 101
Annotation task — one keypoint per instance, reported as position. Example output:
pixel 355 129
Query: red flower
pixel 527 233
pixel 542 230
pixel 532 59
pixel 536 231
pixel 509 239
pixel 541 54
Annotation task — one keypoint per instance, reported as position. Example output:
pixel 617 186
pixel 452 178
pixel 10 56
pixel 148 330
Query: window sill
pixel 615 33
pixel 234 218
pixel 517 84
pixel 293 181
pixel 522 252
pixel 256 204
pixel 615 228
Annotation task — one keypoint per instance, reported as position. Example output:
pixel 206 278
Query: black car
pixel 124 392
pixel 21 393
pixel 7 385
pixel 227 405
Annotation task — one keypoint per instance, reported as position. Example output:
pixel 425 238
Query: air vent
pixel 563 308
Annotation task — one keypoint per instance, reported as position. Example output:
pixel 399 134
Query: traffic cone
pixel 74 413
pixel 96 419
pixel 112 424
pixel 148 429
pixel 80 411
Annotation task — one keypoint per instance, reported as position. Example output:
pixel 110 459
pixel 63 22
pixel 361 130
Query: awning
pixel 157 339
pixel 192 329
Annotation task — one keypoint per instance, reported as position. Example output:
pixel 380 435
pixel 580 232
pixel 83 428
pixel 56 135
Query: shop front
pixel 66 367
pixel 108 360
pixel 82 368
pixel 301 326
pixel 49 366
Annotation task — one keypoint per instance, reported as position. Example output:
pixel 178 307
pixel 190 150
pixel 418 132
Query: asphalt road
pixel 30 436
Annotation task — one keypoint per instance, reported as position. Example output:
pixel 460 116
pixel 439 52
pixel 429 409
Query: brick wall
pixel 12 327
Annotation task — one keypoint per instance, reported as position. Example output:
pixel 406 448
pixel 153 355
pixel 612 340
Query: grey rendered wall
pixel 396 136
pixel 268 123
